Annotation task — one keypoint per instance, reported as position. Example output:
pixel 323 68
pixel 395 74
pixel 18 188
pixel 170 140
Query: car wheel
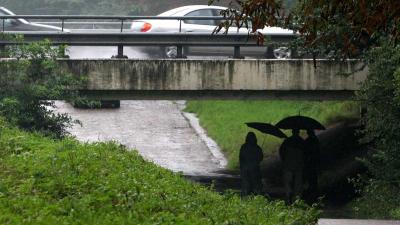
pixel 282 53
pixel 171 52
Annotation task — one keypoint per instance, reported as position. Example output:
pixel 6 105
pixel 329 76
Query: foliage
pixel 65 182
pixel 225 120
pixel 346 29
pixel 28 81
pixel 379 201
pixel 337 28
pixel 380 96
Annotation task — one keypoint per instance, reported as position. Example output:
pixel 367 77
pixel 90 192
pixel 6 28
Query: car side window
pixel 201 12
pixel 217 12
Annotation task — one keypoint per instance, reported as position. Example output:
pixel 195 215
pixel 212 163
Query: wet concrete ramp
pixel 157 129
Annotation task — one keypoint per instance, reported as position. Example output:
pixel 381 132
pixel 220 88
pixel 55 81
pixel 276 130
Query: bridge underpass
pixel 125 79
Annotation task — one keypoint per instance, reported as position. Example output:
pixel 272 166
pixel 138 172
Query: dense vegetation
pixel 225 120
pixel 381 96
pixel 43 181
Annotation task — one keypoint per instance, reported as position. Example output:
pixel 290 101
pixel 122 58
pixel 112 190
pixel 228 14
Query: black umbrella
pixel 300 122
pixel 267 129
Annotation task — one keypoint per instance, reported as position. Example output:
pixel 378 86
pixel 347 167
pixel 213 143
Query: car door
pixel 208 26
pixel 200 26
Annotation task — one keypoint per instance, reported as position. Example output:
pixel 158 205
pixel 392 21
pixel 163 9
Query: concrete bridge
pixel 218 79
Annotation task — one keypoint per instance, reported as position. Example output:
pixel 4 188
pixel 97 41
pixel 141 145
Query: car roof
pixel 9 12
pixel 181 11
pixel 6 10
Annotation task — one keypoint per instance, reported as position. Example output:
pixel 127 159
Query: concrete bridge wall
pixel 220 79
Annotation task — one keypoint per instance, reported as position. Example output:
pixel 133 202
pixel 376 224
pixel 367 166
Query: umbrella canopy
pixel 300 122
pixel 267 129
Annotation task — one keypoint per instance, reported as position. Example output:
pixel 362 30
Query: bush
pixel 29 82
pixel 64 182
pixel 379 201
pixel 380 96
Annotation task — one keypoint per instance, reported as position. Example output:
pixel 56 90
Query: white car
pixel 207 26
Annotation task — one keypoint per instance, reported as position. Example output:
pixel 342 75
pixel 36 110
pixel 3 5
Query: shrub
pixel 28 83
pixel 380 96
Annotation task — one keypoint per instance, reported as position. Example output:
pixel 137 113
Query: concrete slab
pixel 134 79
pixel 357 222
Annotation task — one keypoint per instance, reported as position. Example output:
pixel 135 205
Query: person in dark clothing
pixel 291 153
pixel 312 161
pixel 249 158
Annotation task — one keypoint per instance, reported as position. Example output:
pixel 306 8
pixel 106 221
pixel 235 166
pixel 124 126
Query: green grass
pixel 378 201
pixel 224 120
pixel 43 181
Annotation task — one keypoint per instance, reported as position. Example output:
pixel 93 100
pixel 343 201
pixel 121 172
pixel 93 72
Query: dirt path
pixel 157 129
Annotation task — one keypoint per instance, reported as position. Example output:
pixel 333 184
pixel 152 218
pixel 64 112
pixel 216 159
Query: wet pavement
pixel 159 130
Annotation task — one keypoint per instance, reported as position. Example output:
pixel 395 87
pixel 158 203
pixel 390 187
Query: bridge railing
pixel 122 19
pixel 91 25
pixel 121 38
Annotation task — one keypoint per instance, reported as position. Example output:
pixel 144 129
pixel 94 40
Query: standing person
pixel 249 158
pixel 291 153
pixel 312 162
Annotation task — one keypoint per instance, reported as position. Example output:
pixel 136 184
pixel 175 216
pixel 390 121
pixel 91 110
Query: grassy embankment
pixel 43 181
pixel 225 120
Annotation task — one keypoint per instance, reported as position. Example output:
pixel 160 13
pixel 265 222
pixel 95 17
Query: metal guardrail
pixel 87 25
pixel 120 38
pixel 122 19
pixel 135 39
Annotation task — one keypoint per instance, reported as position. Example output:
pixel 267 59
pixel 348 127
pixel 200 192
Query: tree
pixel 336 27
